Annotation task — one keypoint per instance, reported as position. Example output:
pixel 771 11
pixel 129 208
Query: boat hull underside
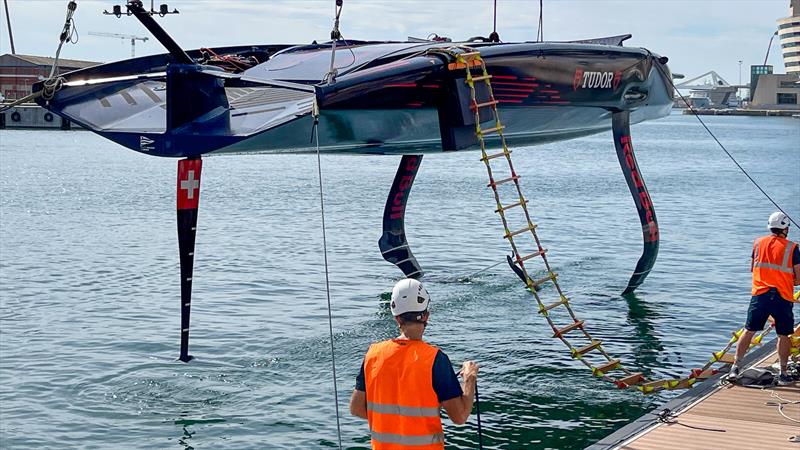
pixel 416 131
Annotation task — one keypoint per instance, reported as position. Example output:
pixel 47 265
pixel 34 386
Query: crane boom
pixel 132 38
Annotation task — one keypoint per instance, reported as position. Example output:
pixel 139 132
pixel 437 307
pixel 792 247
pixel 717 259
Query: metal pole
pixel 10 34
pixel 739 89
pixel 133 47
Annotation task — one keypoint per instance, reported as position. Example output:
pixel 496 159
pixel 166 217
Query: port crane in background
pixel 132 38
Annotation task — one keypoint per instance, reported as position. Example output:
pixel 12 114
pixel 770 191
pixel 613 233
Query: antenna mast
pixel 10 34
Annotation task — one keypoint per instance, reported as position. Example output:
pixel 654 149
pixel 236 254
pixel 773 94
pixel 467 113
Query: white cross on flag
pixel 189 183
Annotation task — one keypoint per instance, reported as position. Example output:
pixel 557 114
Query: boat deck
pixel 720 416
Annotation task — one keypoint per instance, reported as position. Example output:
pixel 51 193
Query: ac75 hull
pixel 390 100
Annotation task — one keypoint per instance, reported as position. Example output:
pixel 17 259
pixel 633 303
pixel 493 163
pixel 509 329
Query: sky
pixel 696 35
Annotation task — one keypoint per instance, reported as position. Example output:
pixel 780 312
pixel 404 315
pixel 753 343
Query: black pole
pixel 135 7
pixel 10 34
pixel 478 413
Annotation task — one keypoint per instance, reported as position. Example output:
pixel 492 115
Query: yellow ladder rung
pixel 514 233
pixel 708 373
pixel 727 358
pixel 496 155
pixel 562 331
pixel 611 365
pixel 652 384
pixel 532 255
pixel 484 104
pixel 503 181
pixel 513 205
pixel 481 78
pixel 632 379
pixel 551 277
pixel 551 306
pixel 492 130
pixel 470 55
pixel 586 349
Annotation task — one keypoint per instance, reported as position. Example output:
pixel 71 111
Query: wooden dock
pixel 719 415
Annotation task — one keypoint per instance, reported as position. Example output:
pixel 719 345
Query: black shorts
pixel 770 303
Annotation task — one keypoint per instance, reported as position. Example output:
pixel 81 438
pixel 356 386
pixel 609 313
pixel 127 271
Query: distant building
pixel 755 73
pixel 19 72
pixel 789 34
pixel 777 91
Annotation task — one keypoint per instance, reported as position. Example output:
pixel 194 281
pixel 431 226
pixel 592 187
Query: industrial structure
pixel 19 72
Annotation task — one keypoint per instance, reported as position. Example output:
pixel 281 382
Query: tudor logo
pixel 146 144
pixel 596 80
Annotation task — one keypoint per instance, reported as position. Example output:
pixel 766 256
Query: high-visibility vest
pixel 772 266
pixel 402 407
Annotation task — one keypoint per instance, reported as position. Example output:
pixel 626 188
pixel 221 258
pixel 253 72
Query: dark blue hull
pixel 388 100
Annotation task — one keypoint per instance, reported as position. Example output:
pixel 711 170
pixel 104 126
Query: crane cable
pixel 330 77
pixel 315 113
pixel 493 36
pixel 540 31
pixel 667 77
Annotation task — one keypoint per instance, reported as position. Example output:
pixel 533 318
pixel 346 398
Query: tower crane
pixel 132 38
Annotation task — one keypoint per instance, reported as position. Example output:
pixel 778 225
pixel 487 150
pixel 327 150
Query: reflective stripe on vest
pixel 399 439
pixel 402 407
pixel 772 266
pixel 784 267
pixel 408 411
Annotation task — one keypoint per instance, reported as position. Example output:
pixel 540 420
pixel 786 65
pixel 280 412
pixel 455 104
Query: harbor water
pixel 89 285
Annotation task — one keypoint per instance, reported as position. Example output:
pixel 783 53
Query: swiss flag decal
pixel 189 183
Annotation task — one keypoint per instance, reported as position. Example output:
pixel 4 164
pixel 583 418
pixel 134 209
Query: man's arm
pixel 358 401
pixel 458 408
pixel 358 404
pixel 797 275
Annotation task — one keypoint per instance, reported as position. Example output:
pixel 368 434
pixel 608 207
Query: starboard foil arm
pixel 393 244
pixel 620 123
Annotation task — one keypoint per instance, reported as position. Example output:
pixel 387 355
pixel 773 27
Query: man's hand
pixel 459 408
pixel 469 370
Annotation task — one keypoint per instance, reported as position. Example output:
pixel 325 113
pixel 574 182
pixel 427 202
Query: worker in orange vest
pixel 404 382
pixel 776 270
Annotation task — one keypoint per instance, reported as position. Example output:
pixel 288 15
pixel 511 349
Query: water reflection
pixel 642 316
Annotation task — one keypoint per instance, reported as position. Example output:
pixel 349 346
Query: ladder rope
pixel 327 276
pixel 587 352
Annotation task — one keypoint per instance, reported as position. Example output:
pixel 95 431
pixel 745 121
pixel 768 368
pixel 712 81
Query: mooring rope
pixel 694 113
pixel 327 276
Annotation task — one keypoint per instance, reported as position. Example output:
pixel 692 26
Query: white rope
pixel 781 403
pixel 327 277
pixel 68 34
pixel 330 77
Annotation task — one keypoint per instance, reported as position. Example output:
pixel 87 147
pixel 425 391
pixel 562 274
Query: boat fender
pixel 48 117
pixel 15 117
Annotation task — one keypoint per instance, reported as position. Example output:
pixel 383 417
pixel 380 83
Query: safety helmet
pixel 778 220
pixel 409 295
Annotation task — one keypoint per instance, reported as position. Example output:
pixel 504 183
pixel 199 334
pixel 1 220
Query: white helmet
pixel 778 220
pixel 409 295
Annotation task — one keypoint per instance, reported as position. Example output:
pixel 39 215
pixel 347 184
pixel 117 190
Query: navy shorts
pixel 770 303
